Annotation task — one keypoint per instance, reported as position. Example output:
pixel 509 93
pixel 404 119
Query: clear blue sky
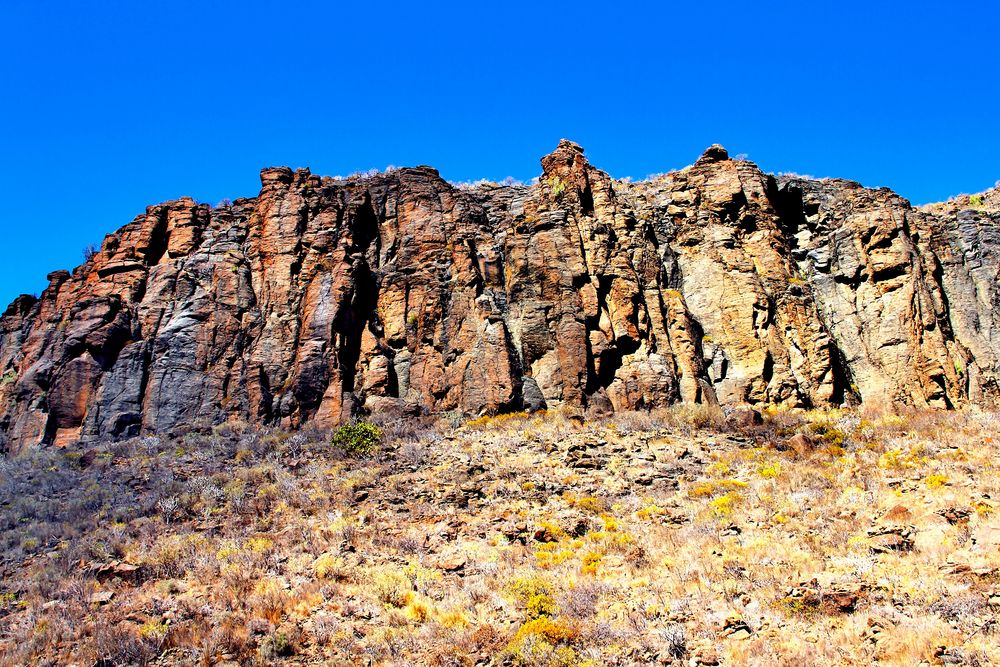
pixel 109 106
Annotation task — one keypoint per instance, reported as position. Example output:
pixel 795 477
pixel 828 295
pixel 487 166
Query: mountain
pixel 401 293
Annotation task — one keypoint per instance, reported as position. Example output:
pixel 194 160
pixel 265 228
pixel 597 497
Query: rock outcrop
pixel 321 298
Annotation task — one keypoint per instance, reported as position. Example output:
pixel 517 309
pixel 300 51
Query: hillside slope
pixel 401 293
pixel 669 537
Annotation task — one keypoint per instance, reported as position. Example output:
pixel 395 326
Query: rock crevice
pixel 320 299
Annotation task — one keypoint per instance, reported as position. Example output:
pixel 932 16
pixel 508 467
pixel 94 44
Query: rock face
pixel 320 299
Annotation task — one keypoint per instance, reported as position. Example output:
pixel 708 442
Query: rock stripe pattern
pixel 322 299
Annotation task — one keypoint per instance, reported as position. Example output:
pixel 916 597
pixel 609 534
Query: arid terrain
pixel 684 536
pixel 410 334
pixel 714 417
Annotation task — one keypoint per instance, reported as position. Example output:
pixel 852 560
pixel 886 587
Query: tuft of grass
pixel 723 506
pixel 329 566
pixel 490 421
pixel 392 587
pixel 715 488
pixel 769 470
pixel 590 562
pixel 936 481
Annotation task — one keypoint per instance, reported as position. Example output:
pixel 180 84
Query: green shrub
pixel 976 201
pixel 557 185
pixel 276 645
pixel 358 438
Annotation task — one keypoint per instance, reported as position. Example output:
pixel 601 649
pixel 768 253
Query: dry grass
pixel 812 538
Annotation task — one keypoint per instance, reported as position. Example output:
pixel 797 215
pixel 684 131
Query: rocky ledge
pixel 324 298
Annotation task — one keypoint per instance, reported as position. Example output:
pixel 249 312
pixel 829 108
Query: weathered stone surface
pixel 322 298
pixel 909 296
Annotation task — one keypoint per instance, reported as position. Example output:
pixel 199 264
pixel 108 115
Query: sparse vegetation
pixel 661 537
pixel 358 438
pixel 556 185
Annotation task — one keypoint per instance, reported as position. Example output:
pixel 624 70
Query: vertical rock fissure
pixel 158 240
pixel 496 297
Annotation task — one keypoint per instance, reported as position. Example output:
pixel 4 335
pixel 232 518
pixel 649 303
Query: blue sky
pixel 109 106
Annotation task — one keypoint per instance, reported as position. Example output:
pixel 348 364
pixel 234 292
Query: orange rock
pixel 320 299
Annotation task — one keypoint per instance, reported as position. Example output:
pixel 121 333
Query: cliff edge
pixel 399 292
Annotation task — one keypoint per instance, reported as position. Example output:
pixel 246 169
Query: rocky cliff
pixel 323 298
